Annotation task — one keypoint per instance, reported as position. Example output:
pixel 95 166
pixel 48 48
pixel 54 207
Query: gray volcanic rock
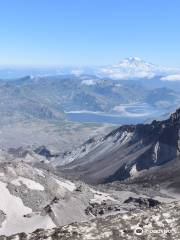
pixel 2 217
pixel 43 151
pixel 152 224
pixel 143 202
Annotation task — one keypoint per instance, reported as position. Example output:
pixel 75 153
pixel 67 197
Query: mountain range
pixel 133 88
pixel 50 97
pixel 57 105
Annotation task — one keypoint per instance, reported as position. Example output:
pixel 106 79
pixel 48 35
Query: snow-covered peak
pixel 135 62
pixel 135 68
pixel 132 60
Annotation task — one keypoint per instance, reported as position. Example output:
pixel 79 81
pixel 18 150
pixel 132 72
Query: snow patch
pixel 134 172
pixel 70 186
pixel 125 137
pixel 28 182
pixel 156 150
pixel 40 173
pixel 14 209
pixel 100 197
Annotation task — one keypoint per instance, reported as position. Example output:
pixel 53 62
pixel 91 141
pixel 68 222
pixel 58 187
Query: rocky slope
pixel 152 224
pixel 129 152
pixel 33 198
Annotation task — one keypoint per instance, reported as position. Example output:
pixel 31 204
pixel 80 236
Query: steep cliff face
pixel 162 139
pixel 127 151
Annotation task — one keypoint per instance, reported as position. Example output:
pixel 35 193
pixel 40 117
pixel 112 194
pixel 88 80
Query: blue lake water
pixel 104 118
pixel 125 114
pixel 98 118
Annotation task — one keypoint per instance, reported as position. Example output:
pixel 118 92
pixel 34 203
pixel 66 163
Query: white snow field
pixel 14 209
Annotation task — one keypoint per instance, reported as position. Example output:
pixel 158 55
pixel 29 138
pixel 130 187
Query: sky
pixel 89 32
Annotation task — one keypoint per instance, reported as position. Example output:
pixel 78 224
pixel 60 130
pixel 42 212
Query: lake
pixel 92 117
pixel 123 114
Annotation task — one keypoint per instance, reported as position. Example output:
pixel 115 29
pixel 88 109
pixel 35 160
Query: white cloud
pixel 77 71
pixel 174 77
pixel 128 74
pixel 89 82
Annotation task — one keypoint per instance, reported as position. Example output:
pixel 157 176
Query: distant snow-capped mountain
pixel 135 67
pixel 127 69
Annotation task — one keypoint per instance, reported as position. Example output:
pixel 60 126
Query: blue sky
pixel 89 32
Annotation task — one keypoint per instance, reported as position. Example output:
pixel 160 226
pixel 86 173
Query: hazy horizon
pixel 75 65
